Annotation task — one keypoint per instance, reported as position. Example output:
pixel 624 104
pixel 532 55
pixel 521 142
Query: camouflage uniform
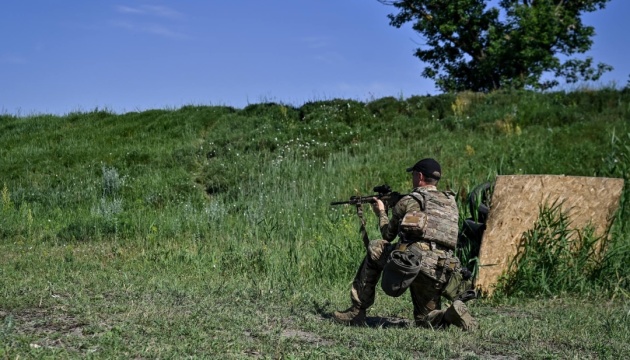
pixel 427 288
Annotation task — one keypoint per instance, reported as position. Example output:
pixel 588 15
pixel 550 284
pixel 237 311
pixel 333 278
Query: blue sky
pixel 130 55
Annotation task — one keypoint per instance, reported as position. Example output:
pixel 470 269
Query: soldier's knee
pixel 376 249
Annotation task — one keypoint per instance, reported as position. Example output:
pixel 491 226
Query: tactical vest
pixel 436 222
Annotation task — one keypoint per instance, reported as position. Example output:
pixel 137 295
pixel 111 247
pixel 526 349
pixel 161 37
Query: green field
pixel 206 231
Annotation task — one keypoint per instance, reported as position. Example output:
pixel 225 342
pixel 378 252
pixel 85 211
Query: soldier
pixel 426 221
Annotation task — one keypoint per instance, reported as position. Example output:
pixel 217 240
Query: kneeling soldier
pixel 422 260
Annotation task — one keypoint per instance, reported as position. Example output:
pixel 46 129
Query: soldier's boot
pixel 351 316
pixel 434 320
pixel 457 314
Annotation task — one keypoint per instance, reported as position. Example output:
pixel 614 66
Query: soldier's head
pixel 426 172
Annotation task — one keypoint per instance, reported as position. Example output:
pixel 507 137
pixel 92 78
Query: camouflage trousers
pixel 425 292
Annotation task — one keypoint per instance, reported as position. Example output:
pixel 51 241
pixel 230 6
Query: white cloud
pixel 330 58
pixel 159 20
pixel 128 10
pixel 150 10
pixel 315 42
pixel 150 28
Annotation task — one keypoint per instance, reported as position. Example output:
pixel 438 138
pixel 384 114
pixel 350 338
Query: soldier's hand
pixel 378 207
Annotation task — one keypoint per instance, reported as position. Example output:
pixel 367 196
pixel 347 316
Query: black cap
pixel 429 167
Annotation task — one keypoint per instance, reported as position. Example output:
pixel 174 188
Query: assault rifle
pixel 383 193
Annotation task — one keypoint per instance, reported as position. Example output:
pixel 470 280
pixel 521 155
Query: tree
pixel 471 45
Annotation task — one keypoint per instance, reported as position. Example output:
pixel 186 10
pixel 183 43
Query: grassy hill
pixel 207 230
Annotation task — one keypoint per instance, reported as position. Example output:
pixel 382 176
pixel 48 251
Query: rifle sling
pixel 362 230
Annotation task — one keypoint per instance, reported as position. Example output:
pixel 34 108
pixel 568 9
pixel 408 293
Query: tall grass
pixel 556 258
pixel 247 191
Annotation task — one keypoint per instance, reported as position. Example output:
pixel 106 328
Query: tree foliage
pixel 474 45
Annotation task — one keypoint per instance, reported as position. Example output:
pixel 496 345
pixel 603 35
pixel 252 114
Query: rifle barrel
pixel 355 200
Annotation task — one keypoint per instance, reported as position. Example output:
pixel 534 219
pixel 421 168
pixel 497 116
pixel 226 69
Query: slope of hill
pixel 171 217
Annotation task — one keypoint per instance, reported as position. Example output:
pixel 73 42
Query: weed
pixel 112 182
pixel 556 259
pixel 7 204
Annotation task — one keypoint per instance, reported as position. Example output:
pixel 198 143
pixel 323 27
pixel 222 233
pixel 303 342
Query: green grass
pixel 558 259
pixel 207 232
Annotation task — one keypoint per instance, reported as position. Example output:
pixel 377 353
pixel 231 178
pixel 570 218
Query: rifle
pixel 384 193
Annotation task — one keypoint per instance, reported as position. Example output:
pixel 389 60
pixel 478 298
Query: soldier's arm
pixel 389 227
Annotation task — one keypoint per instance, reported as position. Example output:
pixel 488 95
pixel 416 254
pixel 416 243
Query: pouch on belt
pixel 400 271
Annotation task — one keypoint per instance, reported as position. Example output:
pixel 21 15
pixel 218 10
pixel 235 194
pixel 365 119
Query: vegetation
pixel 557 258
pixel 483 45
pixel 206 231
